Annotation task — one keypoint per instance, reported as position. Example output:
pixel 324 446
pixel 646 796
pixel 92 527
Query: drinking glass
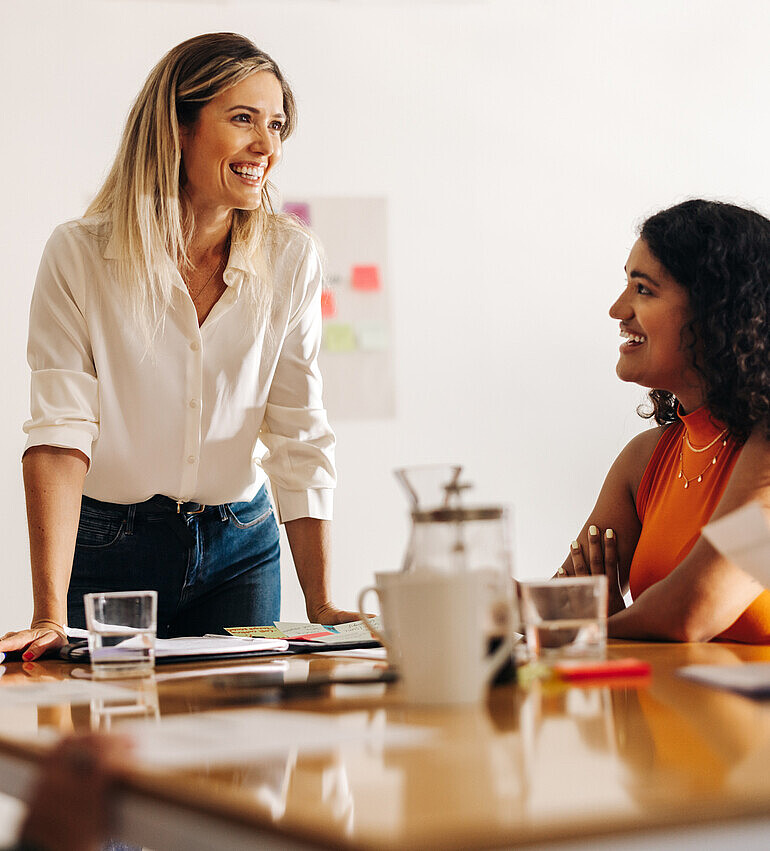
pixel 121 633
pixel 565 618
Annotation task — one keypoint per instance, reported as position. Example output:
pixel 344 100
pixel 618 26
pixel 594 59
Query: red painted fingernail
pixel 28 656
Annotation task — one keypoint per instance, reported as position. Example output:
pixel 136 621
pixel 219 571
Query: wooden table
pixel 535 764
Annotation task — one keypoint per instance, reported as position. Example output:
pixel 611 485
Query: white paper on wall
pixel 356 358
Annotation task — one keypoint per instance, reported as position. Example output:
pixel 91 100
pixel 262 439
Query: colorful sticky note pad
pixel 372 336
pixel 299 209
pixel 255 631
pixel 328 304
pixel 366 278
pixel 339 337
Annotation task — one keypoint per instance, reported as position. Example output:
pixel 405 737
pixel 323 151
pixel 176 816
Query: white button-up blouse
pixel 207 412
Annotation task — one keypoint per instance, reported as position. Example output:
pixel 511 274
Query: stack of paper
pixel 343 633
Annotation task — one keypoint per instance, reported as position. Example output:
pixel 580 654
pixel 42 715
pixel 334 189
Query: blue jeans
pixel 212 568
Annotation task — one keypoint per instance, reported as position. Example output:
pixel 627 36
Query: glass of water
pixel 565 618
pixel 121 633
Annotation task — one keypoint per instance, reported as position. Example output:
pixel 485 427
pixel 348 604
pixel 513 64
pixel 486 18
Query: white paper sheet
pixel 354 631
pixel 378 653
pixel 342 633
pixel 243 735
pixel 751 678
pixel 201 646
pixel 50 693
pixel 743 536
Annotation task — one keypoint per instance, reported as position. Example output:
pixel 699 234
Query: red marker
pixel 605 669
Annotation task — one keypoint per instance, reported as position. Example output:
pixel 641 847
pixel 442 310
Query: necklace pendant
pixel 714 460
pixel 700 478
pixel 686 484
pixel 680 475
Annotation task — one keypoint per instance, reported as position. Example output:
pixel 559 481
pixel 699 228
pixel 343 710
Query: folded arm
pixel 615 510
pixel 705 594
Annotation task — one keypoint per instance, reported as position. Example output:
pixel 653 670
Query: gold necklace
pixel 699 477
pixel 708 445
pixel 208 280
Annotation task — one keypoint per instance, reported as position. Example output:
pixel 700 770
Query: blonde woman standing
pixel 171 329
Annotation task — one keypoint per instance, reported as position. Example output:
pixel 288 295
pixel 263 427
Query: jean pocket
pixel 248 514
pixel 98 530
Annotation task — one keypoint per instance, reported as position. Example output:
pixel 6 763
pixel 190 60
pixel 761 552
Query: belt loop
pixel 222 511
pixel 130 519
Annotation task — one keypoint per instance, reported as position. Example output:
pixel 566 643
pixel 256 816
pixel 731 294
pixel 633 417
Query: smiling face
pixel 653 309
pixel 232 146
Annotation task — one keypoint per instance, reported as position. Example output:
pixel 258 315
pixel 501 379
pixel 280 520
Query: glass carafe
pixel 447 536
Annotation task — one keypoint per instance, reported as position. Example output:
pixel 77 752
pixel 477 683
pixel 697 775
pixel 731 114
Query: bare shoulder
pixel 636 454
pixel 753 466
pixel 758 446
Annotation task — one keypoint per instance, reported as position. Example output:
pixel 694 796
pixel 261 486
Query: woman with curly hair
pixel 695 318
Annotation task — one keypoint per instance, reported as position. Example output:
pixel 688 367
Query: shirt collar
pixel 236 267
pixel 701 426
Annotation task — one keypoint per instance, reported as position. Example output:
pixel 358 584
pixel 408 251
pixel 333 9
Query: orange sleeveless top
pixel 672 515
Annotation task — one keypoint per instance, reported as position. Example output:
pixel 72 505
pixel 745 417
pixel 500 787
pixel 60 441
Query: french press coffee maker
pixel 448 536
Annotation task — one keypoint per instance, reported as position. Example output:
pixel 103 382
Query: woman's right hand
pixel 602 559
pixel 40 637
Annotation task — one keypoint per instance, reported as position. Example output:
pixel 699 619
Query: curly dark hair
pixel 720 253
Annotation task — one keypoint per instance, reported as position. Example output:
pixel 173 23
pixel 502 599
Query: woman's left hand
pixel 329 615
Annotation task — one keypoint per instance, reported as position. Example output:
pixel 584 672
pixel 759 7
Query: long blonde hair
pixel 150 229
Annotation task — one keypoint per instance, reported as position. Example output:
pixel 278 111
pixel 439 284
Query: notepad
pixel 193 648
pixel 750 678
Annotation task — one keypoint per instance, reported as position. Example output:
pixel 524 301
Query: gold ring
pixel 560 571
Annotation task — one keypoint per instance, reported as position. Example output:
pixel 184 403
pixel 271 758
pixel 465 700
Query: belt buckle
pixel 180 510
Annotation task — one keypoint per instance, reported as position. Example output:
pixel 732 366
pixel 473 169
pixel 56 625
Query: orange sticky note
pixel 328 304
pixel 366 278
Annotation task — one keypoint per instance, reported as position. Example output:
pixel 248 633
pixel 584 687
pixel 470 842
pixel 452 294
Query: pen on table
pixel 241 637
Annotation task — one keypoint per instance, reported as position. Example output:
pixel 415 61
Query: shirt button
pixel 193 403
pixel 195 345
pixel 190 459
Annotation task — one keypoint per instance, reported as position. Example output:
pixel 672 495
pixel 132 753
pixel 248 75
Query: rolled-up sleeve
pixel 64 391
pixel 295 430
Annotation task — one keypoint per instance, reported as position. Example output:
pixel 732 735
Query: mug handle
pixel 367 620
pixel 494 662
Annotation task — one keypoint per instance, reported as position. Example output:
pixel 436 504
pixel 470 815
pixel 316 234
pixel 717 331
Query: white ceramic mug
pixel 388 635
pixel 435 632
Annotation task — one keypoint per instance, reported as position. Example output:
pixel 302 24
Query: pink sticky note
pixel 298 209
pixel 366 278
pixel 328 304
pixel 311 636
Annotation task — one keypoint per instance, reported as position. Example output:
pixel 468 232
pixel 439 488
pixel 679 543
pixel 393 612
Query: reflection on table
pixel 547 761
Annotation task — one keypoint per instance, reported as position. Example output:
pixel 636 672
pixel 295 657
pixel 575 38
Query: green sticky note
pixel 339 337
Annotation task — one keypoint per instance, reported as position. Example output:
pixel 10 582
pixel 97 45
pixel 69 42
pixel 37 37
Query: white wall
pixel 518 144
